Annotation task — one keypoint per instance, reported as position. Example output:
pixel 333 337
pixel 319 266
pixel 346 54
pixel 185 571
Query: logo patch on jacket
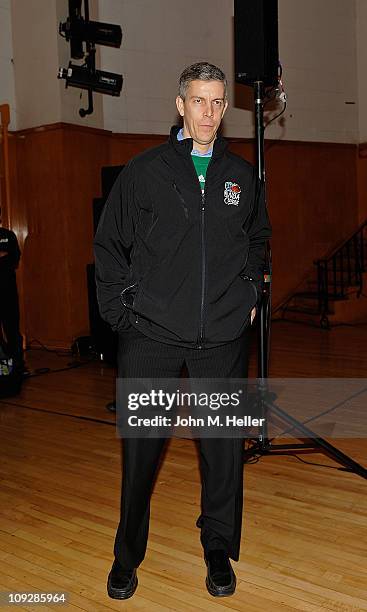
pixel 232 193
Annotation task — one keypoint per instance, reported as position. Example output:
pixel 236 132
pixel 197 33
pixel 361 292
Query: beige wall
pixel 160 38
pixel 35 62
pixel 7 88
pixel 38 51
pixel 362 67
pixel 317 49
pixel 319 43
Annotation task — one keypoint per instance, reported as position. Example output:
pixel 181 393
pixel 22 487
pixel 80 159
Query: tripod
pixel 263 445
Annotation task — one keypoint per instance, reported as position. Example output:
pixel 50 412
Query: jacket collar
pixel 184 147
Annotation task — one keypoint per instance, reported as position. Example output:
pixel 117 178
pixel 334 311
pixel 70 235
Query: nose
pixel 209 110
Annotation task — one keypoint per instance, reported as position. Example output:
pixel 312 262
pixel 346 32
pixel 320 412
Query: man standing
pixel 9 303
pixel 179 264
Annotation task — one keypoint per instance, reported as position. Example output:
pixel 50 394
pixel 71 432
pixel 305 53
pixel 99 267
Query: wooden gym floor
pixel 304 527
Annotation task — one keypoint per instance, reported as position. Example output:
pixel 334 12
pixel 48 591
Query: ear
pixel 180 105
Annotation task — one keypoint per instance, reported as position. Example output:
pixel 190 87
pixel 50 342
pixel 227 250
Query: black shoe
pixel 221 579
pixel 121 583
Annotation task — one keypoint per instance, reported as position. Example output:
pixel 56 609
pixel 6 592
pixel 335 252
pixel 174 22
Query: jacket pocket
pixel 248 280
pixel 128 295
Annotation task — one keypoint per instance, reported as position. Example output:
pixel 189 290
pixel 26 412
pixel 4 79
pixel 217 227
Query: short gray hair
pixel 201 71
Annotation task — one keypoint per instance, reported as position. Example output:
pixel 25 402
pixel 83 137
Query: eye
pixel 198 100
pixel 218 102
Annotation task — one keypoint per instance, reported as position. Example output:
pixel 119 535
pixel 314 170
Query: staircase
pixel 335 294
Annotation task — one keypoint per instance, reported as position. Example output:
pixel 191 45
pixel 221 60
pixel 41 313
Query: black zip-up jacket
pixel 183 268
pixel 10 261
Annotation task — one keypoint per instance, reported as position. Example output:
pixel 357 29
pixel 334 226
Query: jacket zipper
pixel 203 267
pixel 200 344
pixel 202 219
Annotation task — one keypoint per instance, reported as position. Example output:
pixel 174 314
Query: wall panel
pixel 312 199
pixel 58 169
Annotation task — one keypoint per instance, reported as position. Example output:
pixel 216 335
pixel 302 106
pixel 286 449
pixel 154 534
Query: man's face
pixel 202 110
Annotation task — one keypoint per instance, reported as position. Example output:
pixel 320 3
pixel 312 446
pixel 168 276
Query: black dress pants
pixel 221 459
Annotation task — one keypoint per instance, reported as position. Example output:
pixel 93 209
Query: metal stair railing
pixel 341 269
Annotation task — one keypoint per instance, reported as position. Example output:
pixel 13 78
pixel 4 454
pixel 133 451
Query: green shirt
pixel 201 165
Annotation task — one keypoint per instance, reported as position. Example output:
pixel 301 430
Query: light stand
pixel 263 445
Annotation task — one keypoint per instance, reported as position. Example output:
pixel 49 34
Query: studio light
pixel 77 30
pixel 98 80
pixel 81 32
